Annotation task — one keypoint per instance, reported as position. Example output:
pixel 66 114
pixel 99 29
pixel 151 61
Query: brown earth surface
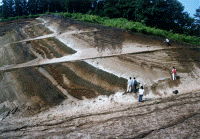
pixel 61 78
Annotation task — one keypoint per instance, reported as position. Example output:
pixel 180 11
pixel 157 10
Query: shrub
pixel 159 32
pixel 12 18
pixel 77 15
pixel 143 30
pixel 149 30
pixel 133 28
pixel 67 15
pixel 48 13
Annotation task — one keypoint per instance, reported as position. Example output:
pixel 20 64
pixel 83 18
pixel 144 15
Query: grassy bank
pixel 20 17
pixel 124 24
pixel 133 26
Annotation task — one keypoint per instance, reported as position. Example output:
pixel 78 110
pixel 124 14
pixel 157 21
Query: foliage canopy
pixel 167 15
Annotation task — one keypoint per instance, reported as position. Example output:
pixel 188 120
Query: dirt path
pixel 84 55
pixel 175 117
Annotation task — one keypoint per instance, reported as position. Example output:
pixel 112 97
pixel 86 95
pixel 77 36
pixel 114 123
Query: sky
pixel 190 6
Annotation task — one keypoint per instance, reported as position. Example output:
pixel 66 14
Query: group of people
pixel 132 85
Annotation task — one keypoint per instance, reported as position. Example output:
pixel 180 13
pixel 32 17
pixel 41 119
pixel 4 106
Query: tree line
pixel 163 14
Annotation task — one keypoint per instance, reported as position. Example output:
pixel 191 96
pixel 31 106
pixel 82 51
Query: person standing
pixel 134 85
pixel 141 93
pixel 129 83
pixel 174 73
pixel 167 41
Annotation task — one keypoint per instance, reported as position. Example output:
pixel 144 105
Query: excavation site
pixel 62 78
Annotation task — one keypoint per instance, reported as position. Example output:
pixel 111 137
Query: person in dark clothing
pixel 134 85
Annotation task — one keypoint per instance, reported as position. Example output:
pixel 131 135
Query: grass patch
pixel 20 17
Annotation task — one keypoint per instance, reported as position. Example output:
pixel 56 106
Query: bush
pixel 159 32
pixel 143 30
pixel 12 18
pixel 150 30
pixel 67 15
pixel 77 15
pixel 48 13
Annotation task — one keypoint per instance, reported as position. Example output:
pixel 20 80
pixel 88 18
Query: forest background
pixel 165 18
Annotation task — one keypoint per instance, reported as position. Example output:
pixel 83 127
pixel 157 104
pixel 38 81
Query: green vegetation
pixel 21 17
pixel 123 23
pixel 162 14
pixel 132 26
pixel 164 18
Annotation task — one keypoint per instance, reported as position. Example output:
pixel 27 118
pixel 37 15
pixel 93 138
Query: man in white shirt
pixel 167 40
pixel 129 83
pixel 141 93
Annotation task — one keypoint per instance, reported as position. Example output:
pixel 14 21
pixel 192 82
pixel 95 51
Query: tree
pixel 163 14
pixel 110 9
pixel 7 8
pixel 43 6
pixel 98 7
pixel 197 16
pixel 77 6
pixel 32 6
pixel 197 21
pixel 20 7
pixel 55 6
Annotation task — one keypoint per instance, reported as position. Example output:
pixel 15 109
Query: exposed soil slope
pixel 65 78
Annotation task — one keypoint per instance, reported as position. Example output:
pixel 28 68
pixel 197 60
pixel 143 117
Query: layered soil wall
pixel 95 80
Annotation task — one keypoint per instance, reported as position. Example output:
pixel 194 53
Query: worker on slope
pixel 129 84
pixel 174 73
pixel 167 41
pixel 141 93
pixel 134 85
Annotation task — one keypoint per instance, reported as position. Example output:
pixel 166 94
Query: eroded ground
pixel 63 78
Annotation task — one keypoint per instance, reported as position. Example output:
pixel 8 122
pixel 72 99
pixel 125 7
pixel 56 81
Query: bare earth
pixel 62 78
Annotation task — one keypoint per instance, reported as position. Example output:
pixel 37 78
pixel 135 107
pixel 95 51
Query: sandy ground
pixel 78 92
pixel 173 117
